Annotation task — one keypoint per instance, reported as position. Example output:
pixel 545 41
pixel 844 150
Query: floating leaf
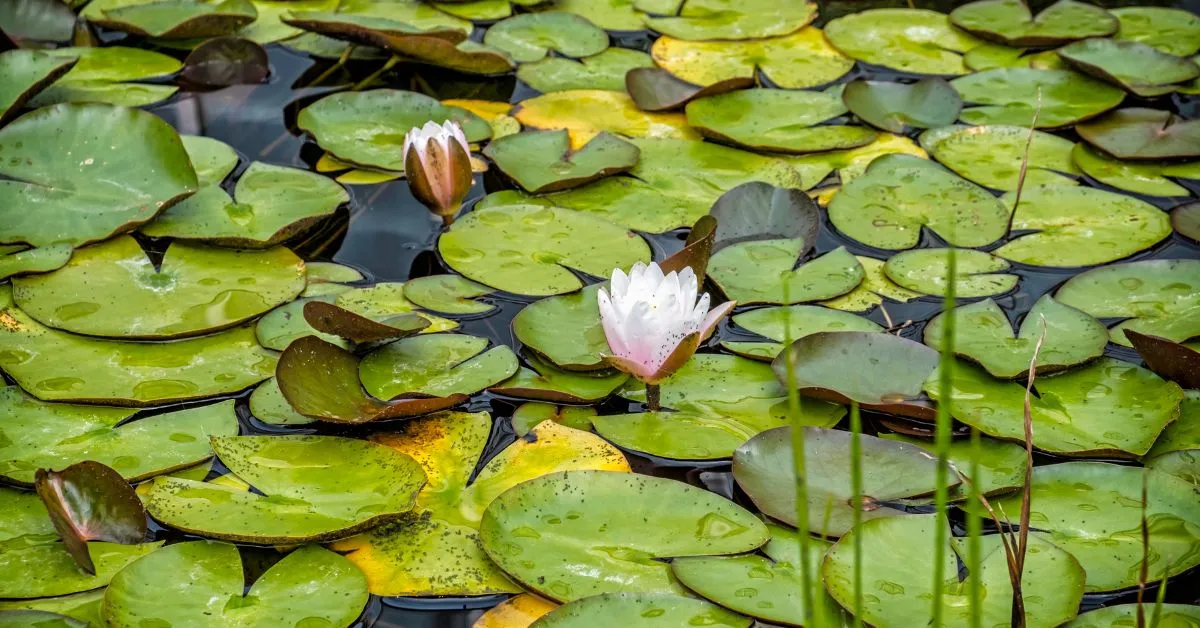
pixel 1139 177
pixel 34 567
pixel 1011 22
pixel 195 579
pixel 519 611
pixel 1173 361
pixel 1137 133
pixel 88 501
pixel 542 161
pixel 40 20
pixel 24 73
pixel 1155 297
pixel 655 89
pixel 989 56
pixel 613 15
pixel 179 19
pixel 898 107
pixel 791 322
pixel 1170 30
pixel 565 330
pixel 992 155
pixel 37 260
pixel 374 26
pixel 212 159
pixel 356 329
pixel 766 271
pixel 1011 96
pixel 776 120
pixel 587 112
pixel 875 287
pixel 225 61
pixel 530 37
pixel 1135 66
pixel 436 365
pixel 1167 614
pixel 268 405
pixel 1001 465
pixel 528 415
pixel 104 75
pixel 635 609
pixel 802 59
pixel 19 618
pixel 312 488
pixel 703 20
pixel 1177 450
pixel 909 40
pixel 978 274
pixel 449 294
pixel 546 383
pixel 605 70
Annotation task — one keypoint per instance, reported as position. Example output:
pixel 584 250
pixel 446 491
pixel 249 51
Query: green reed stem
pixel 391 63
pixel 856 485
pixel 974 532
pixel 794 416
pixel 942 436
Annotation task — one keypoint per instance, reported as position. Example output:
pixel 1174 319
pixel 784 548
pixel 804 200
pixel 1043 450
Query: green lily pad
pixel 898 107
pixel 528 415
pixel 374 27
pixel 1135 66
pixel 766 271
pixel 875 287
pixel 898 195
pixel 1185 219
pixel 80 173
pixel 1170 30
pixel 989 56
pixel 108 74
pixel 704 20
pixel 88 501
pixel 36 20
pixel 57 366
pixel 984 336
pixel 331 272
pixel 1011 22
pixel 285 324
pixel 24 73
pixel 1177 450
pixel 1181 615
pixel 268 405
pixel 897 560
pixel 1001 465
pixel 269 27
pixel 1011 96
pixel 24 515
pixel 1155 297
pixel 1094 511
pixel 313 488
pixel 52 436
pixel 790 322
pixel 587 112
pixel 438 365
pixel 1107 408
pixel 530 37
pixel 368 128
pixel 180 19
pixel 547 383
pixel 33 566
pixel 1140 177
pixel 1078 226
pixel 587 515
pixel 273 204
pixel 724 382
pixel 978 274
pixel 612 15
pixel 37 260
pixel 435 550
pixel 468 56
pixel 542 161
pixel 796 61
pixel 195 290
pixel 992 155
pixel 605 70
pixel 640 610
pixel 565 330
pixel 1137 133
pixel 483 10
pixel 187 581
pixel 763 468
pixel 533 250
pixel 655 89
pixel 776 120
pixel 212 159
pixel 449 294
pixel 909 40
pixel 82 615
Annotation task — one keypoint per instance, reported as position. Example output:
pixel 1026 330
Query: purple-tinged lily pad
pixel 88 501
pixel 1173 361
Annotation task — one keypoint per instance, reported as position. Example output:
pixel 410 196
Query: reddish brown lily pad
pixel 696 250
pixel 224 61
pixel 655 89
pixel 1186 220
pixel 331 319
pixel 89 501
pixel 1172 360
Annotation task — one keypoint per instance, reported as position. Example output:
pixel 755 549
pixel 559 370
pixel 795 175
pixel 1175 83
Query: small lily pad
pixel 588 512
pixel 978 274
pixel 1135 66
pixel 898 107
pixel 776 120
pixel 530 37
pixel 1170 30
pixel 37 260
pixel 24 73
pixel 1140 177
pixel 312 488
pixel 640 611
pixel 983 335
pixel 108 75
pixel 875 287
pixel 195 579
pixel 992 155
pixel 1012 95
pixel 587 112
pixel 909 40
pixel 268 405
pixel 527 415
pixel 448 294
pixel 799 60
pixel 437 365
pixel 547 383
pixel 898 195
pixel 790 322
pixel 1137 133
pixel 605 70
pixel 565 330
pixel 212 159
pixel 1011 22
pixel 1156 297
pixel 766 271
pixel 705 20
pixel 195 290
pixel 542 161
pixel 226 61
pixel 180 19
pixel 88 501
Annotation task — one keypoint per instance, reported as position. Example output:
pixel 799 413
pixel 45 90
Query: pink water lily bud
pixel 437 164
pixel 653 322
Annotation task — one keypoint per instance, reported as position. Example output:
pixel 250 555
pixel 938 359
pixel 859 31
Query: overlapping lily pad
pixel 194 290
pixel 196 579
pixel 1138 133
pixel 790 322
pixel 633 609
pixel 542 161
pixel 1171 360
pixel 24 73
pixel 313 488
pixel 530 37
pixel 1135 66
pixel 587 112
pixel 1185 219
pixel 909 40
pixel 359 330
pixel 1012 95
pixel 801 59
pixel 212 160
pixel 536 530
pixel 1174 31
pixel 1001 465
pixel 766 271
pixel 704 20
pixel 109 75
pixel 897 107
pixel 36 260
pixel 1177 450
pixel 992 155
pixel 180 19
pixel 435 550
pixel 1011 22
pixel 449 294
pixel 1169 615
pixel 35 566
pixel 436 365
pixel 1156 297
pixel 875 287
pixel 777 120
pixel 605 70
pixel 88 501
pixel 977 274
pixel 1151 178
pixel 565 330
pixel 613 15
pixel 80 173
pixel 268 405
pixel 547 383
pixel 983 335
pixel 527 415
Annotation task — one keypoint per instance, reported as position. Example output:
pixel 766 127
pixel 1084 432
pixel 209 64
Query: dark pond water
pixel 390 236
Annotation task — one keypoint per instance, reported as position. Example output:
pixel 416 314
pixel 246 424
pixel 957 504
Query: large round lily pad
pixel 909 40
pixel 704 20
pixel 992 155
pixel 587 112
pixel 1151 178
pixel 777 120
pixel 802 59
pixel 539 530
pixel 437 365
pixel 1135 66
pixel 1175 31
pixel 1094 511
pixel 889 204
pixel 24 73
pixel 542 161
pixel 80 173
pixel 977 274
pixel 110 75
pixel 896 107
pixel 639 611
pixel 185 582
pixel 313 488
pixel 113 289
pixel 530 37
pixel 1012 95
pixel 1011 22
pixel 1156 297
pixel 605 70
pixel 790 322
pixel 766 271
pixel 1139 133
pixel 983 335
pixel 532 250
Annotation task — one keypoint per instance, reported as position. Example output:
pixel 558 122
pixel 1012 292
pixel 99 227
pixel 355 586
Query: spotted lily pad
pixel 790 322
pixel 634 609
pixel 992 155
pixel 273 203
pixel 542 161
pixel 983 335
pixel 1177 450
pixel 180 19
pixel 449 294
pixel 587 112
pixel 368 128
pixel 357 329
pixel 34 566
pixel 547 383
pixel 268 405
pixel 1094 511
pixel 313 488
pixel 978 274
pixel 52 436
pixel 195 579
pixel 80 173
pixel 1152 178
pixel 438 365
pixel 196 289
pixel 897 107
pixel 588 512
pixel 1156 297
pixel 605 70
pixel 530 37
pixel 1012 95
pixel 37 260
pixel 435 549
pixel 1135 66
pixel 24 73
pixel 533 250
pixel 899 194
pixel 527 415
pixel 704 20
pixel 1170 30
pixel 776 120
pixel 801 59
pixel 1137 133
pixel 909 40
pixel 875 287
pixel 1011 22
pixel 109 75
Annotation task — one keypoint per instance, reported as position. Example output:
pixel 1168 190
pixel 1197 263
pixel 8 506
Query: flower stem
pixel 652 397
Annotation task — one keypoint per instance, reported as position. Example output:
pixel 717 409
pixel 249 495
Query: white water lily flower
pixel 654 322
pixel 437 164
